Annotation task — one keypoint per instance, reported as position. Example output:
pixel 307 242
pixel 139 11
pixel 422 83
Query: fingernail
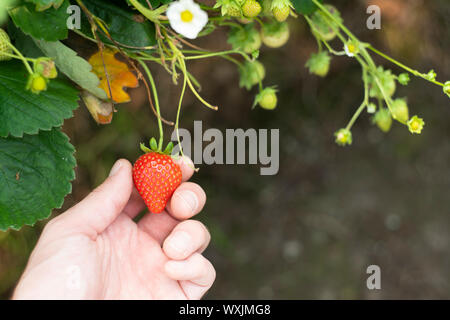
pixel 189 198
pixel 115 168
pixel 180 242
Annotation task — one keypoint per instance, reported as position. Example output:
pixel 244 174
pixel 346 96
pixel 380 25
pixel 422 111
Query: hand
pixel 96 251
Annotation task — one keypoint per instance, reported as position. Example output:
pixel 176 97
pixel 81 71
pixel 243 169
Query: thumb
pixel 103 205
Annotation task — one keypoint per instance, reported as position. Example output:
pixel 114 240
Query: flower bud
pixel 403 79
pixel 343 137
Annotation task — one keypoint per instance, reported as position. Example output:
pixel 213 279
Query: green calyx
pixel 319 63
pixel 154 147
pixel 246 39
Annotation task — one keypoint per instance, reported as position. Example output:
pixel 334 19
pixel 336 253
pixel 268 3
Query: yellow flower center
pixel 186 16
pixel 415 125
pixel 351 48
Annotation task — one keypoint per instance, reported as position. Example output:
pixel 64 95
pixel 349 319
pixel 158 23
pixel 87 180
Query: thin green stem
pixel 401 65
pixel 21 57
pixel 177 121
pixel 363 104
pixel 155 95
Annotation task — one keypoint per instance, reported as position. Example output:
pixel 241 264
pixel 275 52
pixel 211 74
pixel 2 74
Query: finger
pixel 158 225
pixel 102 206
pixel 134 205
pixel 186 238
pixel 187 200
pixel 186 166
pixel 196 269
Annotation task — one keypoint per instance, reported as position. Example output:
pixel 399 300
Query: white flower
pixel 186 18
pixel 351 48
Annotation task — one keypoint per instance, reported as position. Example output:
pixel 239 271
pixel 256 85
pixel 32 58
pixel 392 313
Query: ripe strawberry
pixel 156 176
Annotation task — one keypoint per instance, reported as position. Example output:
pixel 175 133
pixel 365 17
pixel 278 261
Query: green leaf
pixel 24 112
pixel 35 175
pixel 123 24
pixel 42 5
pixel 305 6
pixel 50 25
pixel 73 66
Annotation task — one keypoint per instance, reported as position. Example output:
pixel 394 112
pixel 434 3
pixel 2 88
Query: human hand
pixel 96 251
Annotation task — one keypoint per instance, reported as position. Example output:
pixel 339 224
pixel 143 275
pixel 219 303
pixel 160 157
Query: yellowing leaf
pixel 119 75
pixel 102 111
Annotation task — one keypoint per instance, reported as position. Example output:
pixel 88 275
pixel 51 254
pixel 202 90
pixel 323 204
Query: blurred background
pixel 310 231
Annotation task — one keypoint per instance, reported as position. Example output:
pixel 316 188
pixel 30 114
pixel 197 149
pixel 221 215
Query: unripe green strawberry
pixel 251 74
pixel 229 7
pixel 246 39
pixel 383 119
pixel 251 8
pixel 321 23
pixel 275 35
pixel 156 177
pixel 234 12
pixel 319 63
pixel 400 110
pixel 4 46
pixel 281 14
pixel 36 83
pixel 267 98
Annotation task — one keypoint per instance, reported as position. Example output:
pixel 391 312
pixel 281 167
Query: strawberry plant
pixel 43 78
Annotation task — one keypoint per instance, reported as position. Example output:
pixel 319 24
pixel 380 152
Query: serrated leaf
pixel 305 6
pixel 35 175
pixel 124 26
pixel 24 112
pixel 49 25
pixel 73 66
pixel 42 5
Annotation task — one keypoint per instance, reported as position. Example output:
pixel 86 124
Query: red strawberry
pixel 156 176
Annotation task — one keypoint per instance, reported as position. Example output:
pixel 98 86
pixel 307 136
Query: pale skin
pixel 96 251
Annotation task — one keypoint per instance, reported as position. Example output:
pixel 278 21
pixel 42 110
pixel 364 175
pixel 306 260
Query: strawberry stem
pixel 155 94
